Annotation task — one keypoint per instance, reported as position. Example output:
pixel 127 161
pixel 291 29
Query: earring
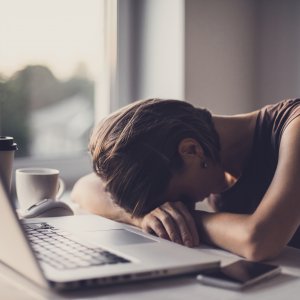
pixel 204 165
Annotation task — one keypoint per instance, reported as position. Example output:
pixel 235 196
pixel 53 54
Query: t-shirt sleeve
pixel 281 115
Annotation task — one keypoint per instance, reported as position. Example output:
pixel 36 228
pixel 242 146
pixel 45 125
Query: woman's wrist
pixel 200 219
pixel 126 217
pixel 136 221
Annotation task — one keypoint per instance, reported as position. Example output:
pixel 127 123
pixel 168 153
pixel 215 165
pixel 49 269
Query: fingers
pixel 172 221
pixel 161 223
pixel 191 224
pixel 153 225
pixel 170 224
pixel 176 227
pixel 184 222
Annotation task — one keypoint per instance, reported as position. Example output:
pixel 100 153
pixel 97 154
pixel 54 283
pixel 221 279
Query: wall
pixel 230 56
pixel 278 65
pixel 220 54
pixel 241 54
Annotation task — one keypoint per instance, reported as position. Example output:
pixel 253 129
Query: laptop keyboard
pixel 59 250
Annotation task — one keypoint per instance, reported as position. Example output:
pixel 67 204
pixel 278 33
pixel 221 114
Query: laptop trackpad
pixel 116 237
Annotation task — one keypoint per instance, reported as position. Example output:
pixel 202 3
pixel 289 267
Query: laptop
pixel 79 251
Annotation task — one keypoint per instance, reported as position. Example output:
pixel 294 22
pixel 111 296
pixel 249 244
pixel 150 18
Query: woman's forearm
pixel 240 233
pixel 228 231
pixel 90 194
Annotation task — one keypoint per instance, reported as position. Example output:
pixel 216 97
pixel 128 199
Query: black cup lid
pixel 7 143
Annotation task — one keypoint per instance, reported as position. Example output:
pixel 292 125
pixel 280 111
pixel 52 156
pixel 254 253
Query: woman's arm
pixel 263 234
pixel 90 194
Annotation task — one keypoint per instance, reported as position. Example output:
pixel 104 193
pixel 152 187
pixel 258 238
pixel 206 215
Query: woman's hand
pixel 172 221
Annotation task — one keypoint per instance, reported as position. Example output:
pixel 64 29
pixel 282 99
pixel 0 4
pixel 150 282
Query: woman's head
pixel 135 150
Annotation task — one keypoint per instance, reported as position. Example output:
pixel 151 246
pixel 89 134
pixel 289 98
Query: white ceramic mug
pixel 36 184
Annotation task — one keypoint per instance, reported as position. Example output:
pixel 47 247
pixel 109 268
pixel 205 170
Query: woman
pixel 155 159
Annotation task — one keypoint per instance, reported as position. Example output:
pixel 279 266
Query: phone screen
pixel 241 272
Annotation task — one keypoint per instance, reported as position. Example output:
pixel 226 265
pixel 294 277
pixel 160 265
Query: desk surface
pixel 287 284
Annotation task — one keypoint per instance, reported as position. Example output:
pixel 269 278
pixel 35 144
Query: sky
pixel 61 34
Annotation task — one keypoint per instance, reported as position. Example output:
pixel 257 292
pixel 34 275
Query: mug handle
pixel 61 188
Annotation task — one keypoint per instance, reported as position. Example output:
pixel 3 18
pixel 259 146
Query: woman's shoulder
pixel 275 118
pixel 280 112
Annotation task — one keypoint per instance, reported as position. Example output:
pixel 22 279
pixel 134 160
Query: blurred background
pixel 65 64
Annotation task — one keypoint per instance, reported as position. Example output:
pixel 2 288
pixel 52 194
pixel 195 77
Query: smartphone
pixel 238 275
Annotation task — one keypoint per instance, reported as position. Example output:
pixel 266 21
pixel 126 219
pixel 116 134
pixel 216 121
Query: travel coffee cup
pixel 7 152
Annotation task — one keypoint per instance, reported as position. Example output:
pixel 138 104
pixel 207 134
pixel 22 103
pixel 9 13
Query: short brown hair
pixel 135 150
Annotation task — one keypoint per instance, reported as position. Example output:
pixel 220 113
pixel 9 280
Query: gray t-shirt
pixel 246 194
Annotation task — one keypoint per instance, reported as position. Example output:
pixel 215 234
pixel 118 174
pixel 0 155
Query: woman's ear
pixel 189 148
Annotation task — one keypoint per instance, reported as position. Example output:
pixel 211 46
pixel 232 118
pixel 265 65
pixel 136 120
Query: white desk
pixel 284 286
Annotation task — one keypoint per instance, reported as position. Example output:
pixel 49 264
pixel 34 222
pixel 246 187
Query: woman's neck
pixel 236 136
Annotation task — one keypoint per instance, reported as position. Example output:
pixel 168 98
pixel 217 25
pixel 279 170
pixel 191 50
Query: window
pixel 50 61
